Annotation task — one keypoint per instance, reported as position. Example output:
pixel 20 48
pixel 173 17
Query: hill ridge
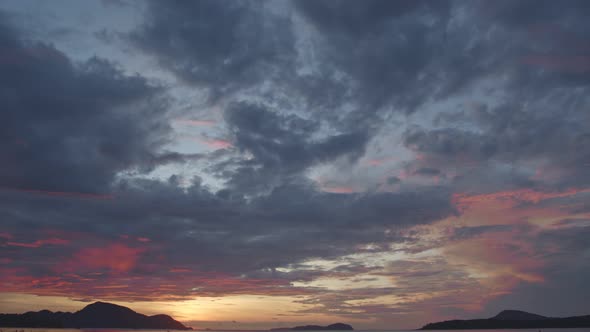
pixel 95 315
pixel 331 327
pixel 511 314
pixel 511 319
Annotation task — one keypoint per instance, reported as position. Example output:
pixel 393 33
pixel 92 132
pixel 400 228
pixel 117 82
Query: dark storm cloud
pixel 556 138
pixel 447 142
pixel 223 232
pixel 71 131
pixel 527 12
pixel 219 45
pixel 400 54
pixel 282 145
pixel 539 121
pixel 386 54
pixel 367 53
pixel 393 180
pixel 118 3
pixel 427 171
pixel 390 51
pixel 73 127
pixel 354 18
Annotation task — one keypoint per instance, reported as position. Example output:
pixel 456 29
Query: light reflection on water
pixel 20 329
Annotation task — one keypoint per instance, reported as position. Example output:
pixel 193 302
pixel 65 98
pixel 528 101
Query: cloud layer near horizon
pixel 385 162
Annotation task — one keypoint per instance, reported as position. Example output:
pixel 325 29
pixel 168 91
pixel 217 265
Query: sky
pixel 258 164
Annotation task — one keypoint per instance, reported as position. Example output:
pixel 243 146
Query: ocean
pixel 12 329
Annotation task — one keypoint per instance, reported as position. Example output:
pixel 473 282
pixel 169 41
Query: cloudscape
pixel 258 164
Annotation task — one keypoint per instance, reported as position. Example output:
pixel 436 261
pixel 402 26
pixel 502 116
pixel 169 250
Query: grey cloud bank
pixel 485 98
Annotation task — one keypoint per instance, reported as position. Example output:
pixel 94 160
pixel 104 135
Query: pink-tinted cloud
pixel 333 187
pixel 500 257
pixel 115 257
pixel 338 189
pixel 6 235
pixel 214 143
pixel 494 237
pixel 179 285
pixel 377 162
pixel 124 270
pixel 39 243
pixel 463 201
pixel 44 237
pixel 217 143
pixel 191 122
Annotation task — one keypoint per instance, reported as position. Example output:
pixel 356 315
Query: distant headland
pixel 512 319
pixel 95 315
pixel 332 327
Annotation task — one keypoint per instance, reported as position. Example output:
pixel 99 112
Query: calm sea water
pixel 128 330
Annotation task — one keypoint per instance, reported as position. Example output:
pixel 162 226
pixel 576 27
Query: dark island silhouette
pixel 512 319
pixel 332 327
pixel 95 315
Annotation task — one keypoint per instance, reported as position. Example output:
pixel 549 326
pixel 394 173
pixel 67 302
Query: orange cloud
pixel 501 258
pixel 497 257
pixel 463 201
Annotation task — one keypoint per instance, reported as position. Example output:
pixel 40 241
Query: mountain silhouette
pixel 512 319
pixel 517 315
pixel 95 315
pixel 332 327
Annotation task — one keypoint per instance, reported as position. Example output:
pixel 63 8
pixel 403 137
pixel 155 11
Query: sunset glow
pixel 257 164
